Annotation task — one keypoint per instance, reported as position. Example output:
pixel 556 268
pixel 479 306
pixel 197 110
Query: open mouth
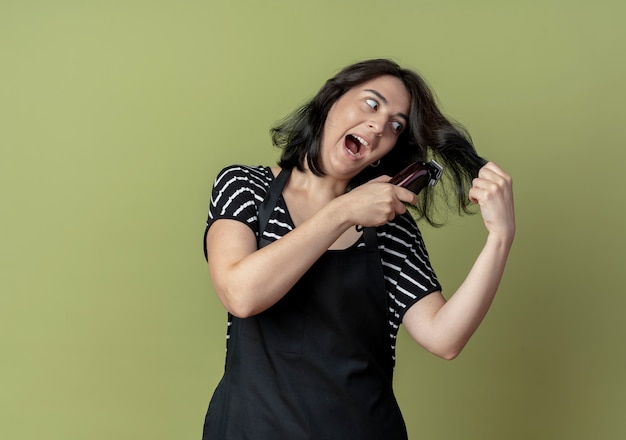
pixel 354 144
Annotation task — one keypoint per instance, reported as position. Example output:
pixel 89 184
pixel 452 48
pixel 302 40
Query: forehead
pixel 390 87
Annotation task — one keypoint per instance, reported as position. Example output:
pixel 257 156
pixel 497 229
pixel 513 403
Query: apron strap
pixel 370 238
pixel 267 206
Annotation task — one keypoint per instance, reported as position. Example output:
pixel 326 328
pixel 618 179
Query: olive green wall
pixel 116 115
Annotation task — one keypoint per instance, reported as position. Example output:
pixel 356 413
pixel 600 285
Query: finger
pixel 405 195
pixel 492 171
pixel 484 191
pixel 484 188
pixel 488 184
pixel 381 179
pixel 476 194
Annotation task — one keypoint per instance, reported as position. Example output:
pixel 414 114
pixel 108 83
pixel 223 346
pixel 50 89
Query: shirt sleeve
pixel 415 277
pixel 236 194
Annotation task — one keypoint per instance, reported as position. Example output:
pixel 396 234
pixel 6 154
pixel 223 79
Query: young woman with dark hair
pixel 428 134
pixel 318 262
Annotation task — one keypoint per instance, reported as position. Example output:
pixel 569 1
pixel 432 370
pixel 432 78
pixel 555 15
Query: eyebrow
pixel 384 100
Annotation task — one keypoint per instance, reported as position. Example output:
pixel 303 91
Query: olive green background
pixel 115 117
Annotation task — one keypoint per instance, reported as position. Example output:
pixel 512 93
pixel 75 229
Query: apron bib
pixel 317 364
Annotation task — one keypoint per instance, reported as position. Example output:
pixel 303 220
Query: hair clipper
pixel 418 175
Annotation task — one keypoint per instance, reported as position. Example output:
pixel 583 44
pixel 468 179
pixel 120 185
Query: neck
pixel 319 188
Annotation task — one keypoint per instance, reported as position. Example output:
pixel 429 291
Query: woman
pixel 318 261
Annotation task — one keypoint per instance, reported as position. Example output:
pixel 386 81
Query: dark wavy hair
pixel 429 135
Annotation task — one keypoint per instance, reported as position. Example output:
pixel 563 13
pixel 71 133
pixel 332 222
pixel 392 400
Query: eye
pixel 396 126
pixel 372 103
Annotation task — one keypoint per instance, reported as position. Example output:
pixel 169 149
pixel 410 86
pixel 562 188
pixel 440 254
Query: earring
pixel 375 164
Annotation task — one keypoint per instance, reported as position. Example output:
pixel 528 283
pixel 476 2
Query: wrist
pixel 501 240
pixel 337 213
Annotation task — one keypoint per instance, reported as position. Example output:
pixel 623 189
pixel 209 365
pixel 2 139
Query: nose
pixel 377 124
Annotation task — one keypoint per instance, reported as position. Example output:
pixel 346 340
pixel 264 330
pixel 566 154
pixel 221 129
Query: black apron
pixel 317 364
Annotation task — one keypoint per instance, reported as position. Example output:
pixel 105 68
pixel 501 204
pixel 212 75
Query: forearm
pixel 457 320
pixel 249 280
pixel 249 285
pixel 444 327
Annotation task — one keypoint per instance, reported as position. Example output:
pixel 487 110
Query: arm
pixel 248 281
pixel 444 328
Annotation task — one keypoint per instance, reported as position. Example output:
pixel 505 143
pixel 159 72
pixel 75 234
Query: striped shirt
pixel 239 190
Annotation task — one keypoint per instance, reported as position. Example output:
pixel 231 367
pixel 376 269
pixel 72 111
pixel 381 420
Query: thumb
pixel 381 179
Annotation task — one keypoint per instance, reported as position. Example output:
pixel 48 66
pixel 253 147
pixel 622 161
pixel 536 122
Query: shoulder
pixel 243 174
pixel 236 179
pixel 237 188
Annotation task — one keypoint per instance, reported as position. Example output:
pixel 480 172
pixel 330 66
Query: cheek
pixel 343 114
pixel 387 145
pixel 339 123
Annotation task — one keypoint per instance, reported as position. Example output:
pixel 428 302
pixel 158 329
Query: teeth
pixel 353 154
pixel 361 140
